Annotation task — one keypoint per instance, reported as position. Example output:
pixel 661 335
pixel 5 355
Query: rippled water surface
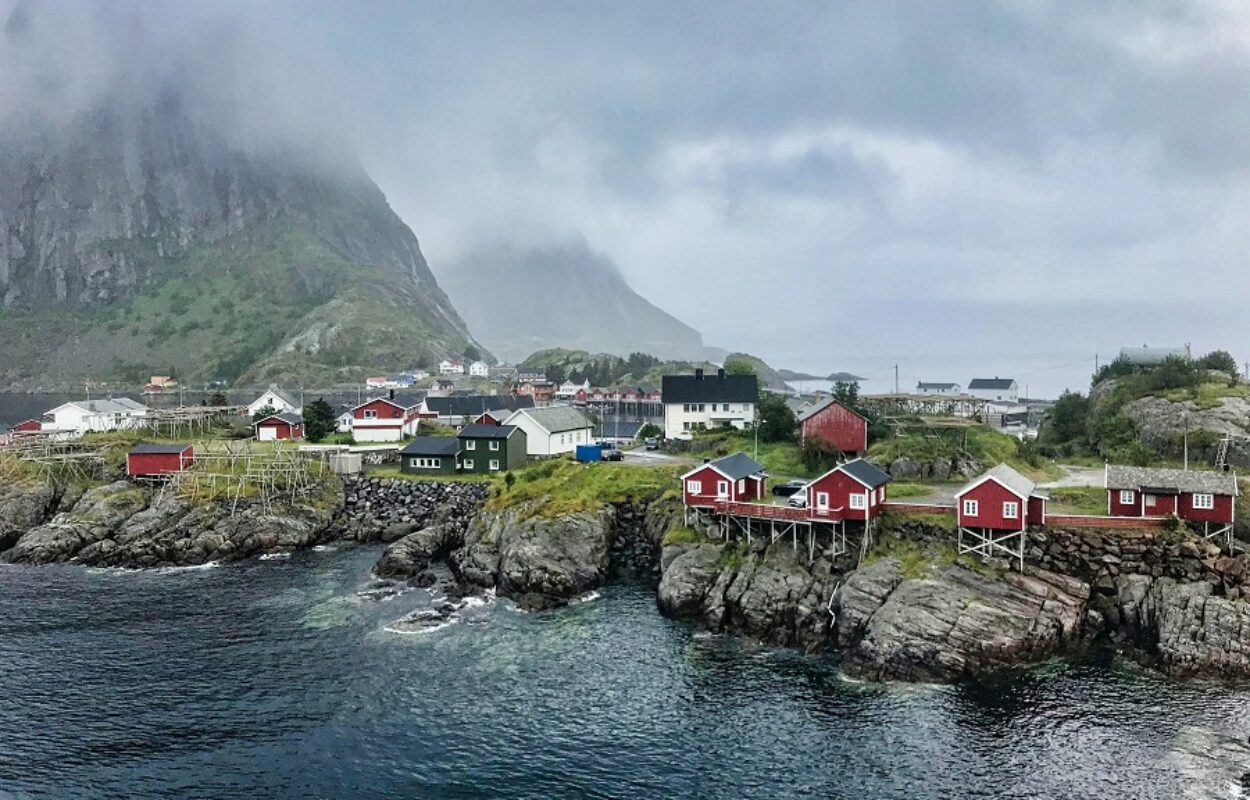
pixel 277 679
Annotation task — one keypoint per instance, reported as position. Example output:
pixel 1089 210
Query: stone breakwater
pixel 388 509
pixel 1177 601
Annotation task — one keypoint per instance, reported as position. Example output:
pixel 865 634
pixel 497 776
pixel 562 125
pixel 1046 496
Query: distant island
pixel 845 377
pixel 794 375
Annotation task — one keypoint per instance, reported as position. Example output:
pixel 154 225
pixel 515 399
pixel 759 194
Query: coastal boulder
pixel 96 516
pixel 22 507
pixel 1188 629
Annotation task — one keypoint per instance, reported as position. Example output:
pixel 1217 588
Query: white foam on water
pixel 589 597
pixel 274 556
pixel 447 623
pixel 324 548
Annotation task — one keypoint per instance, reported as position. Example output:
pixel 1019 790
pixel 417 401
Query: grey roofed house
pixel 866 472
pixel 1160 480
pixel 718 388
pixel 289 418
pixel 158 448
pixel 282 395
pixel 622 429
pixel 991 383
pixel 432 446
pixel 474 405
pixel 486 431
pixel 1005 475
pixel 1145 356
pixel 734 466
pixel 556 419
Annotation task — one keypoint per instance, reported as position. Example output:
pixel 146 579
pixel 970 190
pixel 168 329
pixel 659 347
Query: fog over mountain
pixel 520 300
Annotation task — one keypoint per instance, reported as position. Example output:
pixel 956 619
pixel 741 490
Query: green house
pixel 491 448
pixel 430 455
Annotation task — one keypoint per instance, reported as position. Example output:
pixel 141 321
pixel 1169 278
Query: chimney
pixel 698 374
pixel 391 394
pixel 720 374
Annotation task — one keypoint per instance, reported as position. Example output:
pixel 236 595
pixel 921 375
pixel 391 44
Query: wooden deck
pixel 780 513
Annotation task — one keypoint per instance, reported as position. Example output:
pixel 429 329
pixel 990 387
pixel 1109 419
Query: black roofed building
pixel 431 455
pixel 491 448
pixel 459 409
pixel 700 401
pixel 996 390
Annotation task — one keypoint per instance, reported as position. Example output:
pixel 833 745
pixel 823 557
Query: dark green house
pixel 430 455
pixel 491 448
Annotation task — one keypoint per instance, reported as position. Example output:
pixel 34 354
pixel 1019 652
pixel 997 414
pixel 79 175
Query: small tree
pixel 318 420
pixel 737 366
pixel 1221 361
pixel 218 399
pixel 649 431
pixel 472 353
pixel 777 420
pixel 266 411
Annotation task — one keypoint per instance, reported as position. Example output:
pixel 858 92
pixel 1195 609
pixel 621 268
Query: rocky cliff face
pixel 142 232
pixel 1162 425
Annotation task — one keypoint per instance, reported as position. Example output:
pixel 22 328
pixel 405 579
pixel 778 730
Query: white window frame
pixel 369 413
pixel 822 501
pixel 742 486
pixel 694 487
pixel 1011 509
pixel 494 444
pixel 972 508
pixel 494 464
pixel 722 488
pixel 1127 497
pixel 469 444
pixel 467 463
pixel 859 500
pixel 1203 501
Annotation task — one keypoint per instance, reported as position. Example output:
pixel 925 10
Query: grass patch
pixel 683 534
pixel 468 477
pixel 562 486
pixel 898 491
pixel 781 459
pixel 1077 500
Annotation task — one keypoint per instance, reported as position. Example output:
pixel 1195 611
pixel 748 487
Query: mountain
pixel 138 237
pixel 519 300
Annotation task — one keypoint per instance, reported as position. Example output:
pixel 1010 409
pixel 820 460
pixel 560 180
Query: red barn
pixel 737 477
pixel 148 460
pixel 1192 495
pixel 835 428
pixel 1002 500
pixel 280 426
pixel 27 426
pixel 854 490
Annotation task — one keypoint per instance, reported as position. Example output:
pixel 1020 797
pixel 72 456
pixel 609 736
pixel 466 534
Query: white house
pixel 568 390
pixel 88 416
pixel 553 430
pixel 451 367
pixel 936 388
pixel 698 401
pixel 996 390
pixel 274 398
pixel 479 369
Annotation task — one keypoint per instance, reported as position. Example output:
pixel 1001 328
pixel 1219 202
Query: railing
pixel 787 513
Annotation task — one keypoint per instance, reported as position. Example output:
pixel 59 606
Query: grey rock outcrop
pixel 22 507
pixel 540 562
pixel 126 525
pixel 956 623
pixel 1162 423
pixel 1188 629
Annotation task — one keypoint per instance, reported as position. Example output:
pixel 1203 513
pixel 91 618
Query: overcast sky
pixel 997 188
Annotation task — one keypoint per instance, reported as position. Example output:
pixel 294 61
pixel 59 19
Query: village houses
pixel 699 401
pixel 479 369
pixel 276 399
pixel 452 366
pixel 93 416
pixel 553 430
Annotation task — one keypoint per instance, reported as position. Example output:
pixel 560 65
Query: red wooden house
pixel 149 460
pixel 277 427
pixel 835 428
pixel 27 426
pixel 1192 495
pixel 492 418
pixel 385 419
pixel 854 490
pixel 1001 499
pixel 737 478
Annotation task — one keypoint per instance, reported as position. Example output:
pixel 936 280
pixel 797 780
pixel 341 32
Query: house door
pixel 822 501
pixel 722 490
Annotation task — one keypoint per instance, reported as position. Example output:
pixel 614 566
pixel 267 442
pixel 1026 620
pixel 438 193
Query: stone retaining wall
pixel 387 508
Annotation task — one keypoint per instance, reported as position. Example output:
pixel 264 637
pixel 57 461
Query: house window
pixel 722 488
pixel 725 407
pixel 494 464
pixel 470 445
pixel 425 463
pixel 694 487
pixel 742 486
pixel 1204 501
pixel 822 501
pixel 467 463
pixel 370 413
pixel 971 508
pixel 685 407
pixel 702 408
pixel 1011 510
pixel 1150 500
pixel 494 445
pixel 1126 496
pixel 859 500
pixel 685 426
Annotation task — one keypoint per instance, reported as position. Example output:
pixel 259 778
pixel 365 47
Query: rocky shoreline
pixel 1174 602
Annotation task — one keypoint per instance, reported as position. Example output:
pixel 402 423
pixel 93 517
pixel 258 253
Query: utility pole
pixel 1095 363
pixel 896 378
pixel 1185 417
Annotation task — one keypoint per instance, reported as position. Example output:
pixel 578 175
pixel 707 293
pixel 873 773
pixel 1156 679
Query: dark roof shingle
pixel 486 431
pixel 866 472
pixel 158 448
pixel 432 446
pixel 710 389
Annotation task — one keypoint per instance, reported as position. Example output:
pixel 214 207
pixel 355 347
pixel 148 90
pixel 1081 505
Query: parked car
pixel 788 488
pixel 608 444
pixel 798 500
pixel 614 455
pixel 652 443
